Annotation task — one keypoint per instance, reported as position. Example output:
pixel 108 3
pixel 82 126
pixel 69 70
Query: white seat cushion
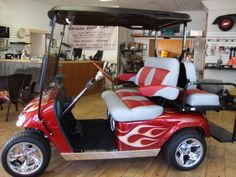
pixel 196 97
pixel 130 108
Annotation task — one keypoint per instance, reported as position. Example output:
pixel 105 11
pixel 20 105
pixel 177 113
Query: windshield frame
pixel 46 77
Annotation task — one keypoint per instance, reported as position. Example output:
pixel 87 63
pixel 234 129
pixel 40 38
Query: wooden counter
pixel 75 73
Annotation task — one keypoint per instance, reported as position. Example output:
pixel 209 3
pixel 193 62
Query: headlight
pixel 21 120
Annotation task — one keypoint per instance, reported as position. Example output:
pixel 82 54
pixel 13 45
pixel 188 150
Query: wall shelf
pixel 162 37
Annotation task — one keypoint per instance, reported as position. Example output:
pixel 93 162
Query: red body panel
pixel 153 134
pixel 137 135
pixel 49 116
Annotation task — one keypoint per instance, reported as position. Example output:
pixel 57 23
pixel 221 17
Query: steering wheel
pixel 104 72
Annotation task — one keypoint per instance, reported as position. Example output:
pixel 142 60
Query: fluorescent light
pixel 136 26
pixel 105 0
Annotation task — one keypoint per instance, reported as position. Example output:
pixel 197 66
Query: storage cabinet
pixel 77 74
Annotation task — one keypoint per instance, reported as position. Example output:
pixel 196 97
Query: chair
pixel 196 96
pixel 158 78
pixel 27 80
pixel 3 90
pixel 12 92
pixel 34 71
pixel 25 94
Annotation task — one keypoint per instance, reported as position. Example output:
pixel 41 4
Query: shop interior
pixel 90 65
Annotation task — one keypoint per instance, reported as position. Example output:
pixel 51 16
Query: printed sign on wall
pixel 94 37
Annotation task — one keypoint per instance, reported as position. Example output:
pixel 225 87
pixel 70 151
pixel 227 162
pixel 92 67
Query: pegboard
pixel 219 48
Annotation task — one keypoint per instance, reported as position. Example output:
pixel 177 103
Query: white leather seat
pixel 130 108
pixel 196 97
pixel 158 77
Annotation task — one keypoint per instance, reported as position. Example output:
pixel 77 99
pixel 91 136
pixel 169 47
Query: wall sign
pixel 93 37
pixel 226 24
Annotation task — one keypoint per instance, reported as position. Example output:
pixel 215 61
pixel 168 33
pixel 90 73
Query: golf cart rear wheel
pixel 27 154
pixel 185 150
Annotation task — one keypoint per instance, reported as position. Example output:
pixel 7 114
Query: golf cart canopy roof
pixel 107 16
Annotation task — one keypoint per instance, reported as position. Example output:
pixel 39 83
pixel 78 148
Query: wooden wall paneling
pixel 76 75
pixel 173 46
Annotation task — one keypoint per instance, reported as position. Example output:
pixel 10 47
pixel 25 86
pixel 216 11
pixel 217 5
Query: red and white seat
pixel 196 97
pixel 158 77
pixel 130 108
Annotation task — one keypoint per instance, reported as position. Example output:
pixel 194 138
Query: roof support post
pixel 52 24
pixel 155 44
pixel 184 37
pixel 59 51
pixel 45 64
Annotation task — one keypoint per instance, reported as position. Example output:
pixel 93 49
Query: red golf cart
pixel 164 112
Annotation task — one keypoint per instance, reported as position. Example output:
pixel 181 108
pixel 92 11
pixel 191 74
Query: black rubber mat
pixel 220 134
pixel 95 135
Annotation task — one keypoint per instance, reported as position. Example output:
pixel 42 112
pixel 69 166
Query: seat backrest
pixel 3 83
pixel 34 71
pixel 15 83
pixel 27 80
pixel 187 73
pixel 158 71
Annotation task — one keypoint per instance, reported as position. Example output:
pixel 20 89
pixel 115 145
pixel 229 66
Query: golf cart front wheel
pixel 185 150
pixel 27 154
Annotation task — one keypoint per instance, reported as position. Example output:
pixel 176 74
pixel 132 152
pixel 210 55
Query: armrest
pixel 127 77
pixel 164 91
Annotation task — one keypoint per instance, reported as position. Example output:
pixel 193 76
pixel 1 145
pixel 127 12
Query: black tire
pixel 172 153
pixel 34 139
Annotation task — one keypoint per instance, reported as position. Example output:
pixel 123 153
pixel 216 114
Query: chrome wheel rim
pixel 189 152
pixel 24 158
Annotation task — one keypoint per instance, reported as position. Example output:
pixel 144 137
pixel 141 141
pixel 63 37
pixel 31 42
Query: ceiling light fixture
pixel 105 0
pixel 137 26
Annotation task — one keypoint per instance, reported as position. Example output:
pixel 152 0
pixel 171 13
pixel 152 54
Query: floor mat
pixel 96 135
